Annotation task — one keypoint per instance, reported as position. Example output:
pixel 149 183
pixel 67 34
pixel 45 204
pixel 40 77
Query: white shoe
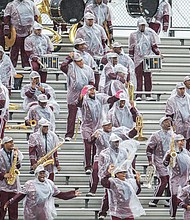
pixel 68 139
pixel 138 99
pixel 152 204
pixel 26 68
pixel 101 217
pixel 166 203
pixel 149 99
pixel 88 172
pixel 89 194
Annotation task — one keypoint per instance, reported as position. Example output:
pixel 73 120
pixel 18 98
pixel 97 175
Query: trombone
pixel 21 126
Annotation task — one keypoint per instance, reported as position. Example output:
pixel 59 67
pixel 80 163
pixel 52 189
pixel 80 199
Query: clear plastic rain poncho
pixel 125 155
pixel 7 70
pixel 105 81
pixel 142 42
pixel 39 201
pixel 4 93
pixel 121 116
pixel 28 101
pixel 93 38
pixel 123 201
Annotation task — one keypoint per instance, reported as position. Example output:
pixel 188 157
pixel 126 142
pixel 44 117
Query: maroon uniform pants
pixel 36 67
pixel 94 178
pixel 19 46
pixel 72 112
pixel 89 152
pixel 105 205
pixel 147 76
pixel 12 209
pixel 163 182
pixel 2 127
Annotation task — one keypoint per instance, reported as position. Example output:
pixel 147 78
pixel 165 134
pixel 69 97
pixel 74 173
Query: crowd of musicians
pixel 101 80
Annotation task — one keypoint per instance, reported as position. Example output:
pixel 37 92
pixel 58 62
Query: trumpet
pixel 139 123
pixel 21 126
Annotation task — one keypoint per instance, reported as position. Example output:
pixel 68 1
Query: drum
pixel 151 63
pixel 145 8
pixel 49 62
pixel 67 11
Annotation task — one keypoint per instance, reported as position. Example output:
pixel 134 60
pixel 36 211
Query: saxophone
pixel 173 153
pixel 13 171
pixel 45 159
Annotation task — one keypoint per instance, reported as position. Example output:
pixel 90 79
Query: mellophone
pixel 49 62
pixel 153 62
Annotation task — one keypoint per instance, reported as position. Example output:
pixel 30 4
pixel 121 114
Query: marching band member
pixel 157 146
pixel 178 160
pixel 42 110
pixel 116 154
pixel 92 108
pixel 178 108
pixel 30 93
pixel 184 200
pixel 9 188
pixel 122 205
pixel 36 45
pixel 101 140
pixel 4 108
pixel 39 196
pixel 161 21
pixel 93 34
pixel 42 142
pixel 123 113
pixel 186 81
pixel 7 71
pixel 78 75
pixel 80 47
pixel 21 15
pixel 102 15
pixel 143 42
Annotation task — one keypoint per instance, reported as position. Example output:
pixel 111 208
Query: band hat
pixel 42 98
pixel 34 74
pixel 116 44
pixel 179 137
pixel 114 138
pixel 187 78
pixel 89 16
pixel 41 168
pixel 106 122
pixel 112 55
pixel 119 170
pixel 141 21
pixel 119 68
pixel 180 85
pixel 43 122
pixel 91 87
pixel 77 57
pixel 7 139
pixel 37 26
pixel 163 119
pixel 79 41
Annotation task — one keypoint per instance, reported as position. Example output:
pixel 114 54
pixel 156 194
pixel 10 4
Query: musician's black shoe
pixel 56 205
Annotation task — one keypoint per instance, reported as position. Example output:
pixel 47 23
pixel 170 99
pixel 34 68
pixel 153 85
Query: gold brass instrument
pixel 10 42
pixel 147 181
pixel 131 89
pixel 13 171
pixel 13 106
pixel 105 26
pixel 45 159
pixel 43 8
pixel 139 123
pixel 21 126
pixel 72 32
pixel 173 153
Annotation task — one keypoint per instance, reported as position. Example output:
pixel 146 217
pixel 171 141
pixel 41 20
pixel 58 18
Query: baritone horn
pixel 131 89
pixel 139 128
